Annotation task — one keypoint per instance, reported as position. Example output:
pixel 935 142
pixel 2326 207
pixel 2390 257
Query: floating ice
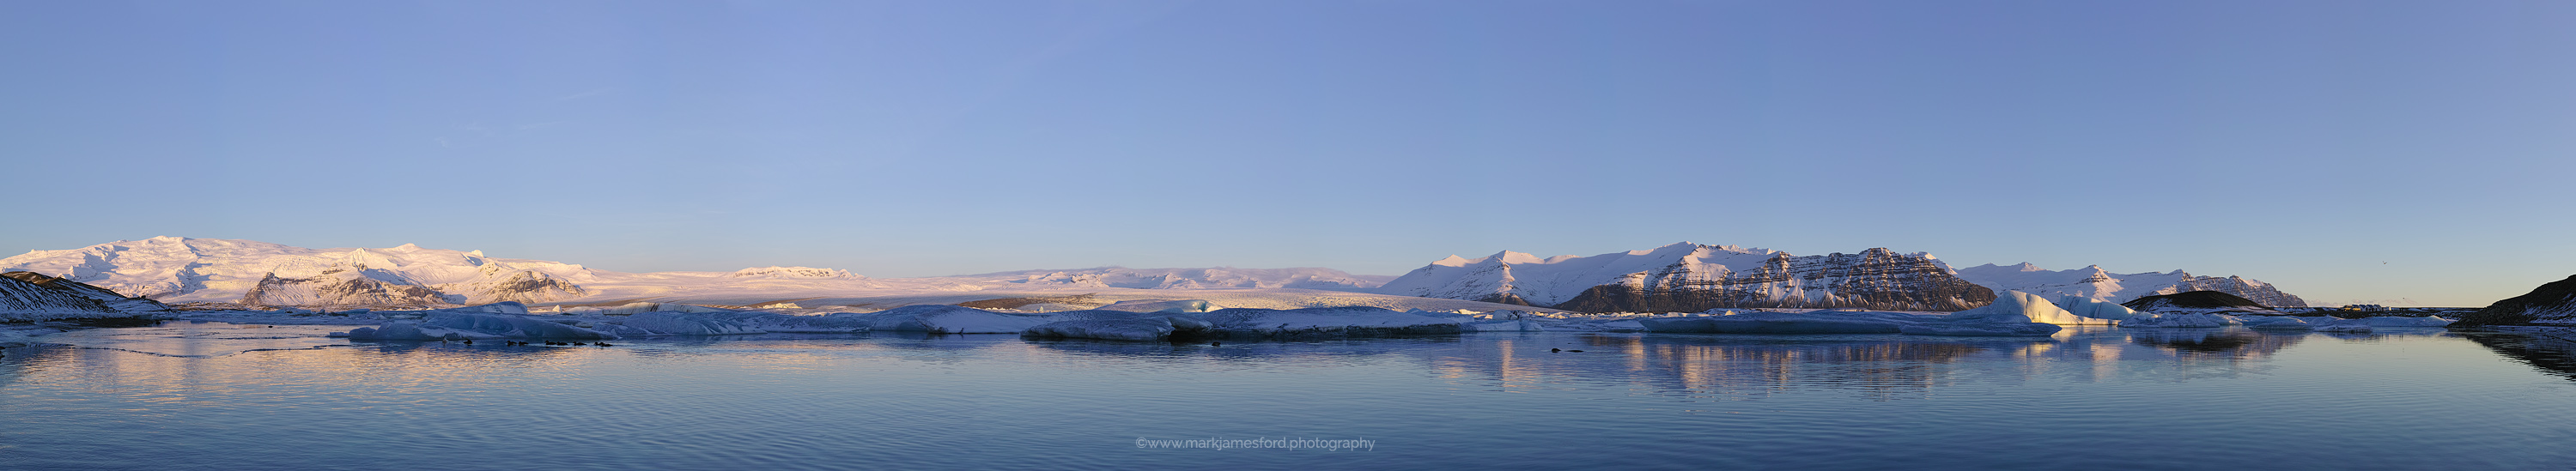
pixel 2274 323
pixel 944 319
pixel 2029 308
pixel 1106 326
pixel 638 307
pixel 1160 305
pixel 674 323
pixel 2095 309
pixel 1502 326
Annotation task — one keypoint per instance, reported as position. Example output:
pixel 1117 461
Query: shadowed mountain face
pixel 2555 301
pixel 2192 300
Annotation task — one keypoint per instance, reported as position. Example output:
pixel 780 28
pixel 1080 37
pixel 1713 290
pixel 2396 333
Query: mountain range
pixel 1680 277
pixel 1687 277
pixel 250 273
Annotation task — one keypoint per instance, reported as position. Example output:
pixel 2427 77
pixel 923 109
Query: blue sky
pixel 2344 150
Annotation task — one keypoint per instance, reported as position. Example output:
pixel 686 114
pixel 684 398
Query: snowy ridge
pixel 2102 285
pixel 1687 277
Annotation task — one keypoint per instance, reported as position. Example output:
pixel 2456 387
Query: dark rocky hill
pixel 2555 301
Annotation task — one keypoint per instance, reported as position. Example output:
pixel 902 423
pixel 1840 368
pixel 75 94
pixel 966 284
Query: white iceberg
pixel 2087 307
pixel 2029 308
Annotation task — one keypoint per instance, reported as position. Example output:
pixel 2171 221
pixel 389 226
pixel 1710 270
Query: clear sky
pixel 2347 151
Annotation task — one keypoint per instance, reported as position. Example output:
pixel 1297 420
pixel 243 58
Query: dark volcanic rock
pixel 108 299
pixel 2553 301
pixel 2193 300
pixel 1876 279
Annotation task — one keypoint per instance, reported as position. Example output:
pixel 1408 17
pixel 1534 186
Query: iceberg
pixel 475 325
pixel 1135 327
pixel 2029 308
pixel 2274 323
pixel 674 323
pixel 637 308
pixel 1501 326
pixel 1159 305
pixel 946 319
pixel 837 323
pixel 2091 308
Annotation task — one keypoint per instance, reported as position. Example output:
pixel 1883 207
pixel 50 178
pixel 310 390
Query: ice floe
pixel 944 319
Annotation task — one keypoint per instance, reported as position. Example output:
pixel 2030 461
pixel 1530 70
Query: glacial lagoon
pixel 239 396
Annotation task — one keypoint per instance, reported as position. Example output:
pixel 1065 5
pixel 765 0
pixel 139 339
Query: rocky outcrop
pixel 2552 303
pixel 109 299
pixel 29 296
pixel 1688 277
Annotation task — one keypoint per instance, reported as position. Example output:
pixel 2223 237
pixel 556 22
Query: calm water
pixel 220 396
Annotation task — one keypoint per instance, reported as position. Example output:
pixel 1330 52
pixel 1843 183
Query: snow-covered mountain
pixel 2102 285
pixel 1687 277
pixel 183 270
